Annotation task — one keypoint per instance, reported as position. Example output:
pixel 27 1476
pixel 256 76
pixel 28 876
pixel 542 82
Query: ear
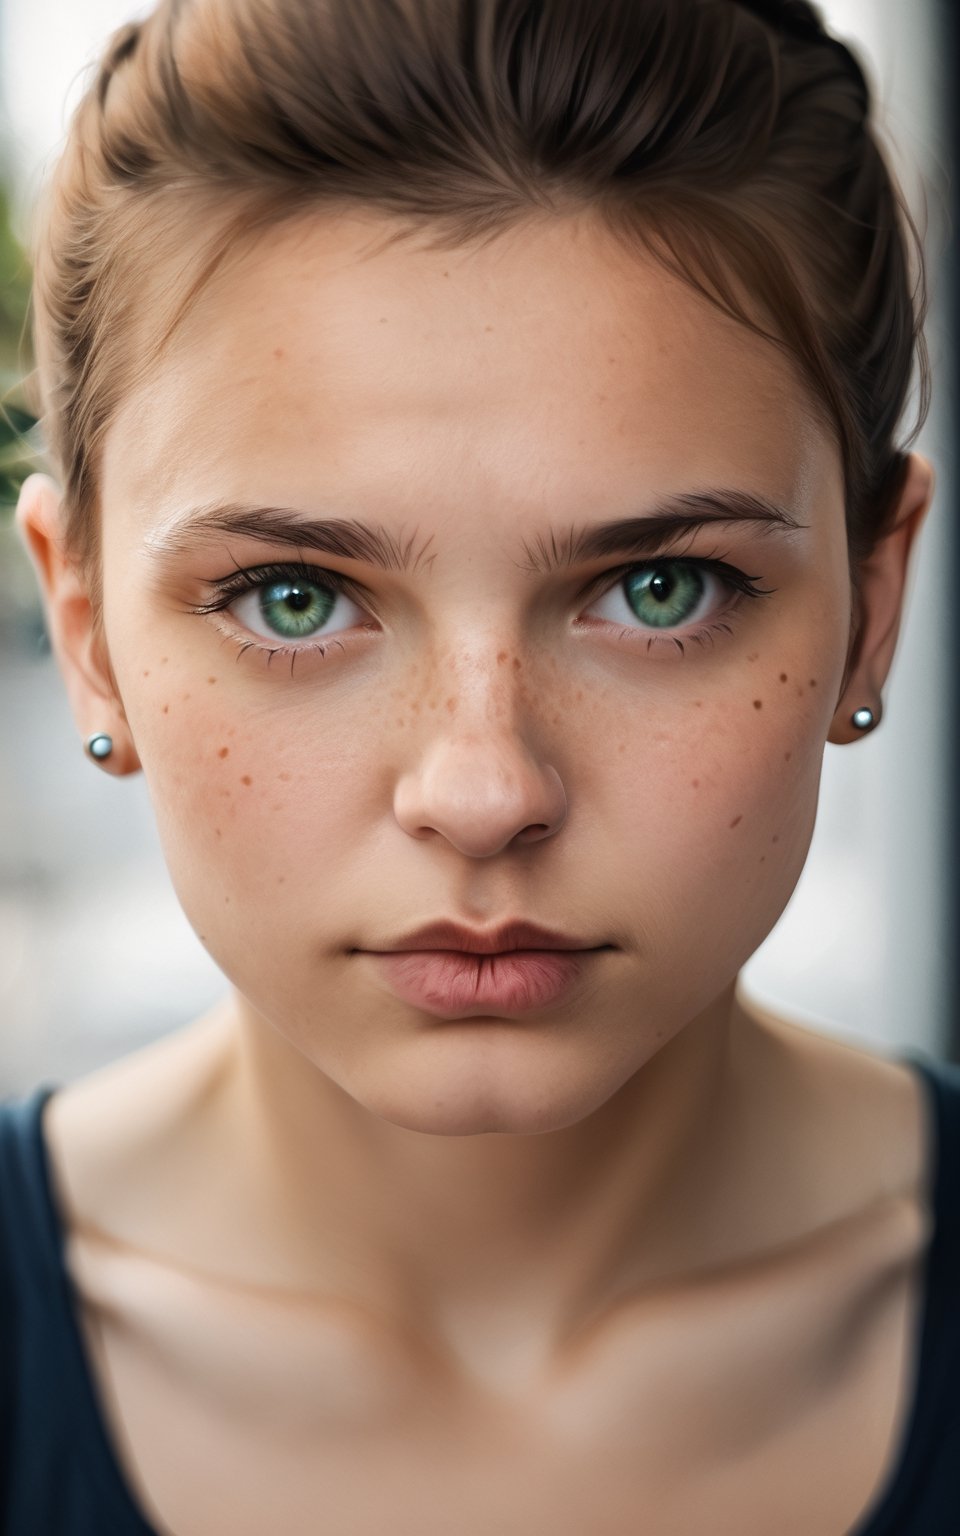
pixel 883 576
pixel 75 635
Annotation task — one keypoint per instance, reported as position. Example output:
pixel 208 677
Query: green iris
pixel 296 608
pixel 664 594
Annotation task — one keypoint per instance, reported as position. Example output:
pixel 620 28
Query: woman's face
pixel 495 723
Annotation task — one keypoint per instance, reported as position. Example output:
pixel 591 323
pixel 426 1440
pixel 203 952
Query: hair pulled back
pixel 731 140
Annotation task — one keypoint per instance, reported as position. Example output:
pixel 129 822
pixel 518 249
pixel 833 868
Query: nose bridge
pixel 478 778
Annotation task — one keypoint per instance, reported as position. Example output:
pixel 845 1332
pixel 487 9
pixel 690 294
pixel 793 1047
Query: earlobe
pixel 75 637
pixel 882 587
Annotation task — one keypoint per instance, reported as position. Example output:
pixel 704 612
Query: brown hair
pixel 733 141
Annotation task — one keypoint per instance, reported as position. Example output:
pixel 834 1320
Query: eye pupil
pixel 298 599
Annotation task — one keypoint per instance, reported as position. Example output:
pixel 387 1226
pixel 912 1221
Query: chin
pixel 481 1086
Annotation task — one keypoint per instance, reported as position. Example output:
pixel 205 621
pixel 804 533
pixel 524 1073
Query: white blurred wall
pixel 100 956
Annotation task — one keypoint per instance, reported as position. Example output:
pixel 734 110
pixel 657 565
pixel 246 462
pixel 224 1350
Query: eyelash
pixel 232 587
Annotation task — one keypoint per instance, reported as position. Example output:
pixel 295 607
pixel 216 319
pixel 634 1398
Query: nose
pixel 481 790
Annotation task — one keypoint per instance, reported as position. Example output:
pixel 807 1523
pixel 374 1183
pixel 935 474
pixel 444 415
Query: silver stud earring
pixel 99 746
pixel 863 719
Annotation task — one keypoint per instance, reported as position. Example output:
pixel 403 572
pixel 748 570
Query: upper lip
pixel 513 934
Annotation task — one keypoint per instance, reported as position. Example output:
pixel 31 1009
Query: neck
pixel 543 1229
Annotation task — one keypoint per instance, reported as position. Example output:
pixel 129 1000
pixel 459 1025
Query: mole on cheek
pixel 783 677
pixel 246 779
pixel 166 709
pixel 224 752
pixel 813 682
pixel 758 703
pixel 211 679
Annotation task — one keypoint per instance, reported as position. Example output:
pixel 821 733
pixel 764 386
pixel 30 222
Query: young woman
pixel 480 493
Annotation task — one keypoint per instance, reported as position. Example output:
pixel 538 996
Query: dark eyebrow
pixel 670 519
pixel 346 537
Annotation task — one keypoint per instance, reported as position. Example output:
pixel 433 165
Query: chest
pixel 229 1413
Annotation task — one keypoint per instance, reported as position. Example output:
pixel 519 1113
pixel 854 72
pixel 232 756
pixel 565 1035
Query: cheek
pixel 716 803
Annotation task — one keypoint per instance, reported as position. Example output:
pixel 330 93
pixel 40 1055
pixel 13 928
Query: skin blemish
pixel 787 756
pixel 488 327
pixel 502 656
pixel 754 656
pixel 450 705
pixel 226 794
pixel 383 319
pixel 218 831
pixel 285 777
pixel 758 703
pixel 166 709
pixel 224 752
pixel 695 783
pixel 226 901
pixel 164 660
pixel 698 703
pixel 517 663
pixel 763 858
pixel 185 697
pixel 146 674
pixel 735 822
pixel 813 682
pixel 783 677
pixel 278 352
pixel 211 679
pixel 281 879
pixel 774 839
pixel 400 720
pixel 246 779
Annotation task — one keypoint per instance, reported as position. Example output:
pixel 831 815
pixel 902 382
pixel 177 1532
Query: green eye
pixel 295 608
pixel 664 594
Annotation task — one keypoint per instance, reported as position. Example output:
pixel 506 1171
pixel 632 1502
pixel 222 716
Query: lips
pixel 516 933
pixel 447 969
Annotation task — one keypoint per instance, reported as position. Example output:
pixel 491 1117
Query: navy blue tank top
pixel 59 1474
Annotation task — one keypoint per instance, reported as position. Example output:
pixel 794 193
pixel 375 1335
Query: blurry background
pixel 96 957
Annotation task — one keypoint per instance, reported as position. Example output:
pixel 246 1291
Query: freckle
pixel 203 938
pixel 758 703
pixel 787 756
pixel 166 709
pixel 501 657
pixel 774 839
pixel 415 707
pixel 211 679
pixel 246 779
pixel 218 832
pixel 451 705
pixel 278 352
pixel 813 682
pixel 488 327
pixel 735 822
pixel 695 783
pixel 517 663
pixel 579 694
pixel 556 720
pixel 383 319
pixel 164 660
pixel 226 901
pixel 400 720
pixel 431 703
pixel 224 752
pixel 185 697
pixel 226 794
pixel 783 677
pixel 753 656
pixel 276 807
pixel 446 274
pixel 622 747
pixel 146 674
pixel 285 777
pixel 763 858
pixel 799 691
pixel 281 879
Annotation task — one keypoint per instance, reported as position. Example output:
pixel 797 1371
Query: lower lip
pixel 445 981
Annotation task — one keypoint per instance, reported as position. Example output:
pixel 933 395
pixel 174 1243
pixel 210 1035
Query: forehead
pixel 550 356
